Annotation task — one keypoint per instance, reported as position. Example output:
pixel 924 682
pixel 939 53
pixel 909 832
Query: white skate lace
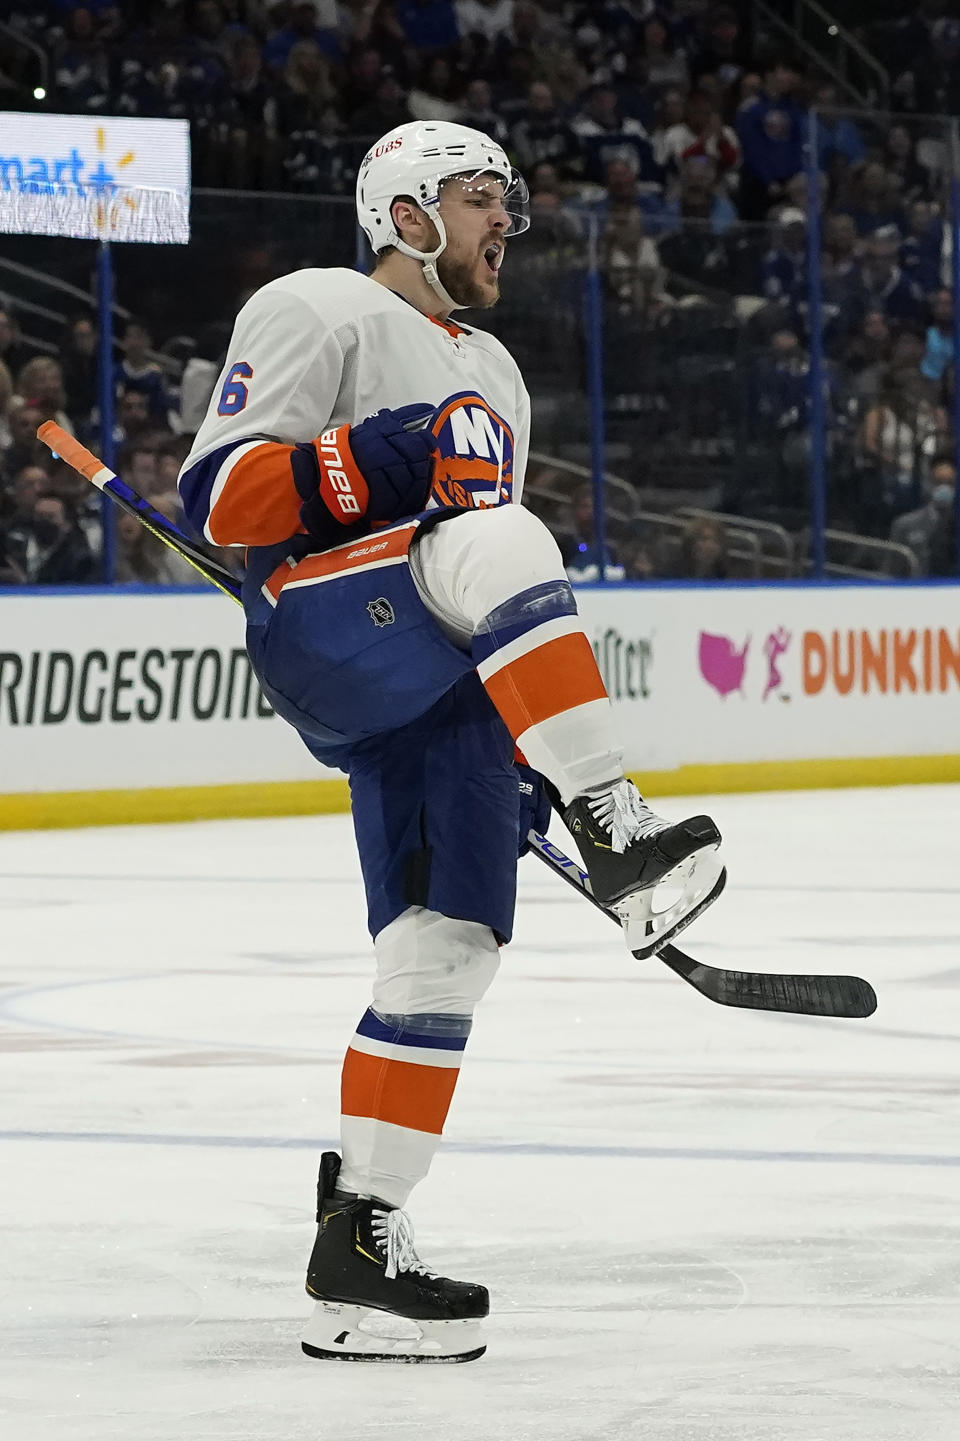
pixel 621 810
pixel 393 1232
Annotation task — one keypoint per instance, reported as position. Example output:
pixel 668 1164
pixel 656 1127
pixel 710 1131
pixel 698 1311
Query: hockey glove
pixel 534 805
pixel 379 470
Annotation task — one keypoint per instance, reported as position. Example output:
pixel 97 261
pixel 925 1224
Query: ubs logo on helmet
pixel 474 460
pixel 383 148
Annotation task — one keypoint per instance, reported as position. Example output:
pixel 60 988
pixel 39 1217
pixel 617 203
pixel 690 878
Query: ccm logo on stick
pixel 335 484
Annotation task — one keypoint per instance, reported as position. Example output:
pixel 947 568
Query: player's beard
pixel 459 280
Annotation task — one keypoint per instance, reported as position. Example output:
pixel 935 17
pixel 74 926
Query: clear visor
pixel 484 190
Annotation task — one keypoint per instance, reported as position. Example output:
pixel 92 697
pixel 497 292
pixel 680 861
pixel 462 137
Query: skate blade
pixel 340 1332
pixel 651 918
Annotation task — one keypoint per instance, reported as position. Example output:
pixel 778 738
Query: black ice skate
pixel 657 877
pixel 376 1301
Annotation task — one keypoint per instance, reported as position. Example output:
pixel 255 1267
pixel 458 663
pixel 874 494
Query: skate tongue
pixel 620 809
pixel 393 1230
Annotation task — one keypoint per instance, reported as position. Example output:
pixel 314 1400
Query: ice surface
pixel 696 1224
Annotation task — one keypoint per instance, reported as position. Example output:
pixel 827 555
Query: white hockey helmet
pixel 415 159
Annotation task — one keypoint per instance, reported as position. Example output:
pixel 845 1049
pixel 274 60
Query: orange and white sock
pixel 403 1062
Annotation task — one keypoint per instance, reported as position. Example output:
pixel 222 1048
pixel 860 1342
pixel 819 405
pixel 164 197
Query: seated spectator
pixel 698 196
pixel 137 463
pixel 12 497
pixel 14 352
pixel 24 448
pixel 639 560
pixel 624 194
pixel 605 135
pixel 840 143
pixel 142 559
pixel 6 396
pixel 883 285
pixel 365 72
pixel 938 354
pixel 385 110
pixel 841 247
pixel 779 404
pixel 671 111
pixel 920 253
pixel 40 383
pixel 490 18
pixel 582 555
pixel 171 453
pixel 541 134
pixel 82 499
pixel 250 109
pixel 771 129
pixel 200 376
pixel 132 420
pixel 724 53
pixel 703 550
pixel 305 116
pixel 866 356
pixel 79 364
pixel 566 76
pixel 477 111
pixel 137 372
pixel 783 268
pixel 435 98
pixel 634 96
pixel 871 199
pixel 665 63
pixel 927 531
pixel 82 65
pixel 513 74
pixel 901 429
pixel 701 133
pixel 53 549
pixel 899 158
pixel 631 264
pixel 302 25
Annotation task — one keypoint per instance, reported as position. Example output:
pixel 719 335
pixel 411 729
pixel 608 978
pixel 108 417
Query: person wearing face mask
pixel 55 550
pixel 929 531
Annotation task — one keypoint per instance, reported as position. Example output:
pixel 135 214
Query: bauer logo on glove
pixel 379 470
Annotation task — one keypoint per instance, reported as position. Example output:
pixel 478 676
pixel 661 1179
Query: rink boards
pixel 140 705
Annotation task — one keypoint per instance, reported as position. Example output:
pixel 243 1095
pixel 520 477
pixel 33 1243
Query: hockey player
pixel 414 624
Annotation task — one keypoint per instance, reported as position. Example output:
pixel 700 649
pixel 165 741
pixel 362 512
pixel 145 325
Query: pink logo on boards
pixel 773 648
pixel 721 664
pixel 724 666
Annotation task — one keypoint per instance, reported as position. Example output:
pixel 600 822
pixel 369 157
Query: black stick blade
pixel 840 996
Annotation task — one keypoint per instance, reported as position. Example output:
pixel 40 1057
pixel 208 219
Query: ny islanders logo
pixel 474 461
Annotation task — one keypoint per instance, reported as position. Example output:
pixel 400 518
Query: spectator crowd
pixel 668 127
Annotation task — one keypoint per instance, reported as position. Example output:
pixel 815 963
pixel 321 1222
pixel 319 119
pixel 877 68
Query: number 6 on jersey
pixel 233 396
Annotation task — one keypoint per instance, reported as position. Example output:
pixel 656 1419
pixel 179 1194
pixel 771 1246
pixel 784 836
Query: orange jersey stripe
pixel 259 504
pixel 554 677
pixel 352 555
pixel 400 1092
pixel 348 557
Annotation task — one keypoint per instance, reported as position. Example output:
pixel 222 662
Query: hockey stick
pixel 64 445
pixel 804 995
pixel 846 996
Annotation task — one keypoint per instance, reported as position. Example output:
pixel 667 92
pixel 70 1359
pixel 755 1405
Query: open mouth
pixel 493 255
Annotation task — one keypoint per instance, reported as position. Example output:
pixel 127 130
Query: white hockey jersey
pixel 318 349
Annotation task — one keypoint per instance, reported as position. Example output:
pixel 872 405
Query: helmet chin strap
pixel 429 261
